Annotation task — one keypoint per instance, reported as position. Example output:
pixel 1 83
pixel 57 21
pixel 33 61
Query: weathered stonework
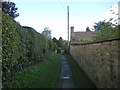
pixel 99 61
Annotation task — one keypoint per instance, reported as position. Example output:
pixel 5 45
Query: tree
pixel 9 9
pixel 60 42
pixel 87 29
pixel 55 47
pixel 55 40
pixel 106 30
pixel 100 24
pixel 47 32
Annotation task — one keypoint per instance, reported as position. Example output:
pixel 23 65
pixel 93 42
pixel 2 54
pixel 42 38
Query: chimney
pixel 72 32
pixel 72 29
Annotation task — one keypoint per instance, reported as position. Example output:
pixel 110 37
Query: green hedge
pixel 21 47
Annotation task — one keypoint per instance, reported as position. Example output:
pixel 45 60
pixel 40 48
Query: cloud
pixel 111 14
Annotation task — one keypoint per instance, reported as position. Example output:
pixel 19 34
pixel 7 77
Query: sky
pixel 39 14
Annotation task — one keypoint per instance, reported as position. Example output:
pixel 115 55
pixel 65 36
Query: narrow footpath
pixel 66 79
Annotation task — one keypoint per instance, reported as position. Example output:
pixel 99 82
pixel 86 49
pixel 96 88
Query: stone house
pixel 76 36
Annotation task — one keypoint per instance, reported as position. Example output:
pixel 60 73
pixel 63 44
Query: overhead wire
pixel 61 3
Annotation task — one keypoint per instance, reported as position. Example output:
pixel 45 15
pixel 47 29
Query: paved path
pixel 66 80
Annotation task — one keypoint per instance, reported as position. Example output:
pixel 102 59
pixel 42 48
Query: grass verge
pixel 79 77
pixel 44 75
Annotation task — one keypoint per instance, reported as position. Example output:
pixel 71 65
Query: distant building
pixel 75 36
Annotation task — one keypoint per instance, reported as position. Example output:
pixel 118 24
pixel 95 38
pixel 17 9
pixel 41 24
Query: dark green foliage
pixel 107 30
pixel 59 44
pixel 9 9
pixel 62 44
pixel 55 40
pixel 55 47
pixel 21 47
pixel 97 25
pixel 10 46
pixel 42 75
pixel 87 29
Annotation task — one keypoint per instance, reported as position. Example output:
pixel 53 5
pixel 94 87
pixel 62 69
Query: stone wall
pixel 99 60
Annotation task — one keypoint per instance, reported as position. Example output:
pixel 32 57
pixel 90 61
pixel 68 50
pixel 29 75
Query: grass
pixel 79 77
pixel 44 75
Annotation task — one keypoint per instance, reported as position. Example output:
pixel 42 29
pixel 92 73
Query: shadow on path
pixel 66 79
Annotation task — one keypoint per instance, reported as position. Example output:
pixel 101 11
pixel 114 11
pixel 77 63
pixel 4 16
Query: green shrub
pixel 38 76
pixel 85 40
pixel 21 47
pixel 105 32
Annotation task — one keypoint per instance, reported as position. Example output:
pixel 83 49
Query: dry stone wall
pixel 100 61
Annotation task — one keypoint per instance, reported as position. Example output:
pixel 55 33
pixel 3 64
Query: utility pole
pixel 68 26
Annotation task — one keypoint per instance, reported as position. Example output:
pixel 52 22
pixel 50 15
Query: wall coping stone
pixel 107 40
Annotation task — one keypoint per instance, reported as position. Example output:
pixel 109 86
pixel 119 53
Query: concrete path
pixel 66 80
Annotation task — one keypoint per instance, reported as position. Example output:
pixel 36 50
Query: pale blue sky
pixel 54 15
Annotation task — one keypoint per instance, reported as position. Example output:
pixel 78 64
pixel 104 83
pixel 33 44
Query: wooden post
pixel 68 27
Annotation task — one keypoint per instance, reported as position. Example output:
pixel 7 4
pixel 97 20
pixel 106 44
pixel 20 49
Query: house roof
pixel 78 35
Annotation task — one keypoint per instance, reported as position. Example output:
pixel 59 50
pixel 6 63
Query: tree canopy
pixel 87 29
pixel 47 32
pixel 107 30
pixel 55 40
pixel 60 43
pixel 9 9
pixel 100 24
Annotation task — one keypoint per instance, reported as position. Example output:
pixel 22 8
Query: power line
pixel 63 6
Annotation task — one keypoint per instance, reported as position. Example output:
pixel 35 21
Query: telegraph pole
pixel 68 26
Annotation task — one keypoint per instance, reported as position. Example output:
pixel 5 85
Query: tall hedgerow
pixel 21 47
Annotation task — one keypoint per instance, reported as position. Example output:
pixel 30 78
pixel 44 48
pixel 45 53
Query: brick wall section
pixel 100 61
